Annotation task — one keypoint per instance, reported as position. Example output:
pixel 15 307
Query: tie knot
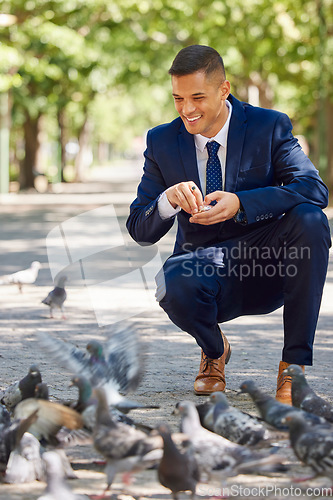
pixel 212 148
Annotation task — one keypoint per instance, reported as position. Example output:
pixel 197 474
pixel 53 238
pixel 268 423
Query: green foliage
pixel 110 58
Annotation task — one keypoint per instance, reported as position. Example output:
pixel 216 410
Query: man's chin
pixel 192 128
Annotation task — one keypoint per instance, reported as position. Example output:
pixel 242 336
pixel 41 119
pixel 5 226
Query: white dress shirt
pixel 165 208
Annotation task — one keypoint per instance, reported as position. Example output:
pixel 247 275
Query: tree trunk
pixel 32 144
pixel 63 142
pixel 83 158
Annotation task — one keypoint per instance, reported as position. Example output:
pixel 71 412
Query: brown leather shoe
pixel 211 377
pixel 283 390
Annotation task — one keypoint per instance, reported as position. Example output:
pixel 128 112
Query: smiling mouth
pixel 194 119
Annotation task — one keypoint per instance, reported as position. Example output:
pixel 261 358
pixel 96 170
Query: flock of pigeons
pixel 215 440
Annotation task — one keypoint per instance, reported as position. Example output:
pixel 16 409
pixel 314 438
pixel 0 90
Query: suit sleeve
pixel 144 223
pixel 297 179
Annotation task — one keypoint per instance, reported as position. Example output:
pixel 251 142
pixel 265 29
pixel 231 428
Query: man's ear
pixel 225 89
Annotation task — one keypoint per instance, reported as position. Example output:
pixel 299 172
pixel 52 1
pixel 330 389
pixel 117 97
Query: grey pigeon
pixel 56 298
pixel 125 448
pixel 312 444
pixel 42 391
pixel 177 470
pixel 22 389
pixel 4 417
pixel 86 405
pixel 235 425
pixel 56 487
pixel 205 411
pixel 117 365
pixel 214 453
pixel 304 397
pixel 25 462
pixel 272 411
pixel 23 277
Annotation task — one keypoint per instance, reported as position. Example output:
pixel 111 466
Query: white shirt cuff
pixel 165 209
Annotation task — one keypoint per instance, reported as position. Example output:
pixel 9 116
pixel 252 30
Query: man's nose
pixel 188 107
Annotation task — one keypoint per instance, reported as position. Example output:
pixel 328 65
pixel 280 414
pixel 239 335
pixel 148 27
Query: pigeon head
pixel 294 420
pixel 35 265
pixel 79 381
pixel 41 391
pixel 220 399
pixel 163 429
pixel 247 387
pixel 294 371
pixel 189 416
pixel 34 371
pixel 85 389
pixel 95 349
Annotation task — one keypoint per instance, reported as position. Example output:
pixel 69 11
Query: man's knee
pixel 185 284
pixel 173 285
pixel 310 221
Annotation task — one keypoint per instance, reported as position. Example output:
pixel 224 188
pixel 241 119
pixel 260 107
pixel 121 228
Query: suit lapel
pixel 188 155
pixel 236 136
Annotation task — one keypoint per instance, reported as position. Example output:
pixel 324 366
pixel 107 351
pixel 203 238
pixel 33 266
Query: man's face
pixel 200 102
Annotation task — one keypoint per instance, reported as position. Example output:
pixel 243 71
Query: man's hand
pixel 187 196
pixel 226 207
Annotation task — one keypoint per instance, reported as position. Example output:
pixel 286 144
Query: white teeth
pixel 193 119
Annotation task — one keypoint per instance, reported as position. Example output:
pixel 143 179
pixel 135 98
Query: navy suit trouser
pixel 283 262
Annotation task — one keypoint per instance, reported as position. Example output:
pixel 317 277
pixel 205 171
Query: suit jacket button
pixel 262 217
pixel 257 218
pixel 270 215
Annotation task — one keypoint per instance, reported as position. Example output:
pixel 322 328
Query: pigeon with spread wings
pixel 117 365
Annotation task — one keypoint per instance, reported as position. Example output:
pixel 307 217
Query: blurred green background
pixel 81 81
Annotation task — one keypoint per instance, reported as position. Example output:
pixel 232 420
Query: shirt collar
pixel 221 136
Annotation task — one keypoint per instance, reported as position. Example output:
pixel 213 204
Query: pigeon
pixel 235 425
pixel 57 297
pixel 271 410
pixel 22 389
pixel 177 470
pixel 304 397
pixel 24 277
pixel 41 391
pixel 4 417
pixel 25 462
pixel 205 411
pixel 51 417
pixel 214 453
pixel 312 444
pixel 117 365
pixel 56 487
pixel 11 434
pixel 125 448
pixel 86 405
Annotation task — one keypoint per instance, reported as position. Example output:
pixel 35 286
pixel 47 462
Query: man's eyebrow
pixel 196 94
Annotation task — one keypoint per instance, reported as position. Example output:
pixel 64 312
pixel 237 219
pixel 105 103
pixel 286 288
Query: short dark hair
pixel 197 58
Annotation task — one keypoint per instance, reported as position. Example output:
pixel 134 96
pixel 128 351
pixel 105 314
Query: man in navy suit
pixel 251 236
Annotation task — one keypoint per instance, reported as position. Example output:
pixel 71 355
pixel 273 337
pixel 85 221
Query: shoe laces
pixel 283 379
pixel 208 363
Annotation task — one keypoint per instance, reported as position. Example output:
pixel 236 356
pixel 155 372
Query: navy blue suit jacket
pixel 265 167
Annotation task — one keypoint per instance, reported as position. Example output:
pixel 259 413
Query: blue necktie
pixel 213 168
